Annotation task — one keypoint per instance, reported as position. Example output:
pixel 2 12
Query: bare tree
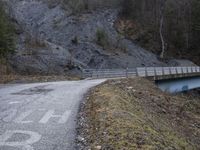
pixel 162 13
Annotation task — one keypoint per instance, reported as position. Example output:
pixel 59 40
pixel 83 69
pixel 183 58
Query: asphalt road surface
pixel 41 116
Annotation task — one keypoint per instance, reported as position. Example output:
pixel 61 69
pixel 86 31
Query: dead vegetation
pixel 133 114
pixel 7 75
pixel 157 25
pixel 103 40
pixel 11 78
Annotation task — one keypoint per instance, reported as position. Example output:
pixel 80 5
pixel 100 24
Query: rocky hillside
pixel 56 36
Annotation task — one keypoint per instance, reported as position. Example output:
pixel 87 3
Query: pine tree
pixel 6 34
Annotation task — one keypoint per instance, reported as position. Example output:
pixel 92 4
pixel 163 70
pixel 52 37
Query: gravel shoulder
pixel 134 114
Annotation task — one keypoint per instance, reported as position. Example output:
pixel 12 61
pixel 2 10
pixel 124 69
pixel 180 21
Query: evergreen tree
pixel 6 34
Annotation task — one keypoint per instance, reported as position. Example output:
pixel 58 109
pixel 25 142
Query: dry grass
pixel 133 114
pixel 7 75
pixel 11 78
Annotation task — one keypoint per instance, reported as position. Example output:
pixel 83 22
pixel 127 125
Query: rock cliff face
pixel 53 40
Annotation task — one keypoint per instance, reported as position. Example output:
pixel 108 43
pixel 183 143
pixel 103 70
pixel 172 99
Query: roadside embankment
pixel 14 78
pixel 134 114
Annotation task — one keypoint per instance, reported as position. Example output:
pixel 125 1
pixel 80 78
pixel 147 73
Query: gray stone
pixel 57 27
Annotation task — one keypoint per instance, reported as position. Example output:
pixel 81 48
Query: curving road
pixel 41 116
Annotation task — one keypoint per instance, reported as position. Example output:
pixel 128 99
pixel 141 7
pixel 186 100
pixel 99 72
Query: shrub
pixel 77 6
pixel 75 40
pixel 102 38
pixel 53 3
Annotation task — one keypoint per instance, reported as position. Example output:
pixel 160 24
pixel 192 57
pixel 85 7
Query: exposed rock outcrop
pixel 52 40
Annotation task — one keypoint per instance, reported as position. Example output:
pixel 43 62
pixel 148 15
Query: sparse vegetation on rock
pixel 58 22
pixel 102 38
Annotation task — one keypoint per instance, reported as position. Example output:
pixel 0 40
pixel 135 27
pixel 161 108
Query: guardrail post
pixel 170 71
pixel 126 72
pixel 163 71
pixel 82 74
pixel 182 70
pixel 198 69
pixel 176 70
pixel 154 69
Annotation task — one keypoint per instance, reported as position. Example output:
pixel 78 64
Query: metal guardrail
pixel 141 72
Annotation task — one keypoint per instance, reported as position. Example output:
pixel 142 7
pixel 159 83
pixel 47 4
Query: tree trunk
pixel 162 11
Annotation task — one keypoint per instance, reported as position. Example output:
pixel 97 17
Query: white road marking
pixel 15 102
pixel 8 115
pixel 50 114
pixel 64 117
pixel 25 145
pixel 43 108
pixel 23 116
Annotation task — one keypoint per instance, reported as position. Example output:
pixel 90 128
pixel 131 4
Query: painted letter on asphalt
pixel 25 145
pixel 21 118
pixel 8 115
pixel 51 114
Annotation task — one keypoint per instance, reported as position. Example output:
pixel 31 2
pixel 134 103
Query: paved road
pixel 40 116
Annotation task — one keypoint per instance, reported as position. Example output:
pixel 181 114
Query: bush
pixel 75 40
pixel 6 34
pixel 77 6
pixel 53 3
pixel 102 38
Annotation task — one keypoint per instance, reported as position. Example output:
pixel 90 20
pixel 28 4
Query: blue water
pixel 179 85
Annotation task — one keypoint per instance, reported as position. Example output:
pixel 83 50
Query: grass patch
pixel 133 114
